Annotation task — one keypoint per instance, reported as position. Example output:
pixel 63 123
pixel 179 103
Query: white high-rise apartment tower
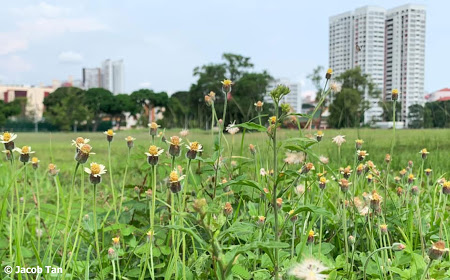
pixel 405 56
pixel 387 45
pixel 112 76
pixel 357 39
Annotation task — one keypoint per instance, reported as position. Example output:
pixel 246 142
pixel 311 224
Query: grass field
pixel 378 142
pixel 230 220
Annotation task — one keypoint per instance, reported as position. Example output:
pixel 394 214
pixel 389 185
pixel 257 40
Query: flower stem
pixel 274 193
pixel 97 246
pixel 112 183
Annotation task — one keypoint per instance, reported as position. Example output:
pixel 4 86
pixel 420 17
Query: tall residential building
pixel 112 76
pixel 405 56
pixel 92 78
pixel 294 98
pixel 357 39
pixel 386 47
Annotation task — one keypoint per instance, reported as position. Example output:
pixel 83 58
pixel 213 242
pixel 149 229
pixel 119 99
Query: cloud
pixel 11 43
pixel 145 85
pixel 70 57
pixel 15 64
pixel 42 21
pixel 42 9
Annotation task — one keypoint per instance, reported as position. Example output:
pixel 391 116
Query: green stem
pixel 274 193
pixel 123 182
pixel 112 183
pixel 368 258
pixel 97 246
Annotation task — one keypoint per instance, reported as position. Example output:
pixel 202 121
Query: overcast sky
pixel 162 41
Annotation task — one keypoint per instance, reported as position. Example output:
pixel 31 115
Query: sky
pixel 162 41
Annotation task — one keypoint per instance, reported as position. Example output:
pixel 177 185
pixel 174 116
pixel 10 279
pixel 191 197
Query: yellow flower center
pixel 311 233
pixel 173 177
pixel 273 119
pixel 51 166
pixel 319 133
pixel 323 180
pixel 212 94
pixel 383 227
pixel 129 138
pixel 25 150
pixel 376 196
pixel 259 104
pixel 395 91
pixel 362 153
pixel 424 151
pixel 95 168
pixel 153 150
pixel 154 125
pixel 86 149
pixel 369 176
pixel 116 240
pixel 330 71
pixel 175 140
pixel 411 176
pixel 110 132
pixel 79 140
pixel 34 160
pixel 359 141
pixel 227 83
pixel 194 146
pixel 6 136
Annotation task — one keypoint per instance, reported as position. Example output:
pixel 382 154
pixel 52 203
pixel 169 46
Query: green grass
pixel 241 246
pixel 55 147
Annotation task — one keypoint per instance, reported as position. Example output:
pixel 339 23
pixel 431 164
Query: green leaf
pixel 252 126
pixel 241 271
pixel 313 209
pixel 249 183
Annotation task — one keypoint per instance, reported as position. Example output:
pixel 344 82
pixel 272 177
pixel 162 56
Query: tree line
pixel 69 108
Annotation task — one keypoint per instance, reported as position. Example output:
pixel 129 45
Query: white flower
pixel 184 132
pixel 7 137
pixel 80 141
pixel 324 160
pixel 300 189
pixel 232 128
pixel 194 146
pixel 129 138
pixel 262 172
pixel 335 87
pixel 309 269
pixel 339 140
pixel 95 170
pixel 24 150
pixel 294 158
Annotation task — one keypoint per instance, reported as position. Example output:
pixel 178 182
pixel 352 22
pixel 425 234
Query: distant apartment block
pixel 112 75
pixel 109 76
pixel 405 56
pixel 387 47
pixel 92 78
pixel 294 98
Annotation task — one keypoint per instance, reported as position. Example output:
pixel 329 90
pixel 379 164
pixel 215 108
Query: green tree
pixel 437 114
pixel 345 110
pixel 388 110
pixel 99 102
pixel 147 100
pixel 415 116
pixel 177 111
pixel 359 83
pixel 316 78
pixel 10 109
pixel 248 88
pixel 65 108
